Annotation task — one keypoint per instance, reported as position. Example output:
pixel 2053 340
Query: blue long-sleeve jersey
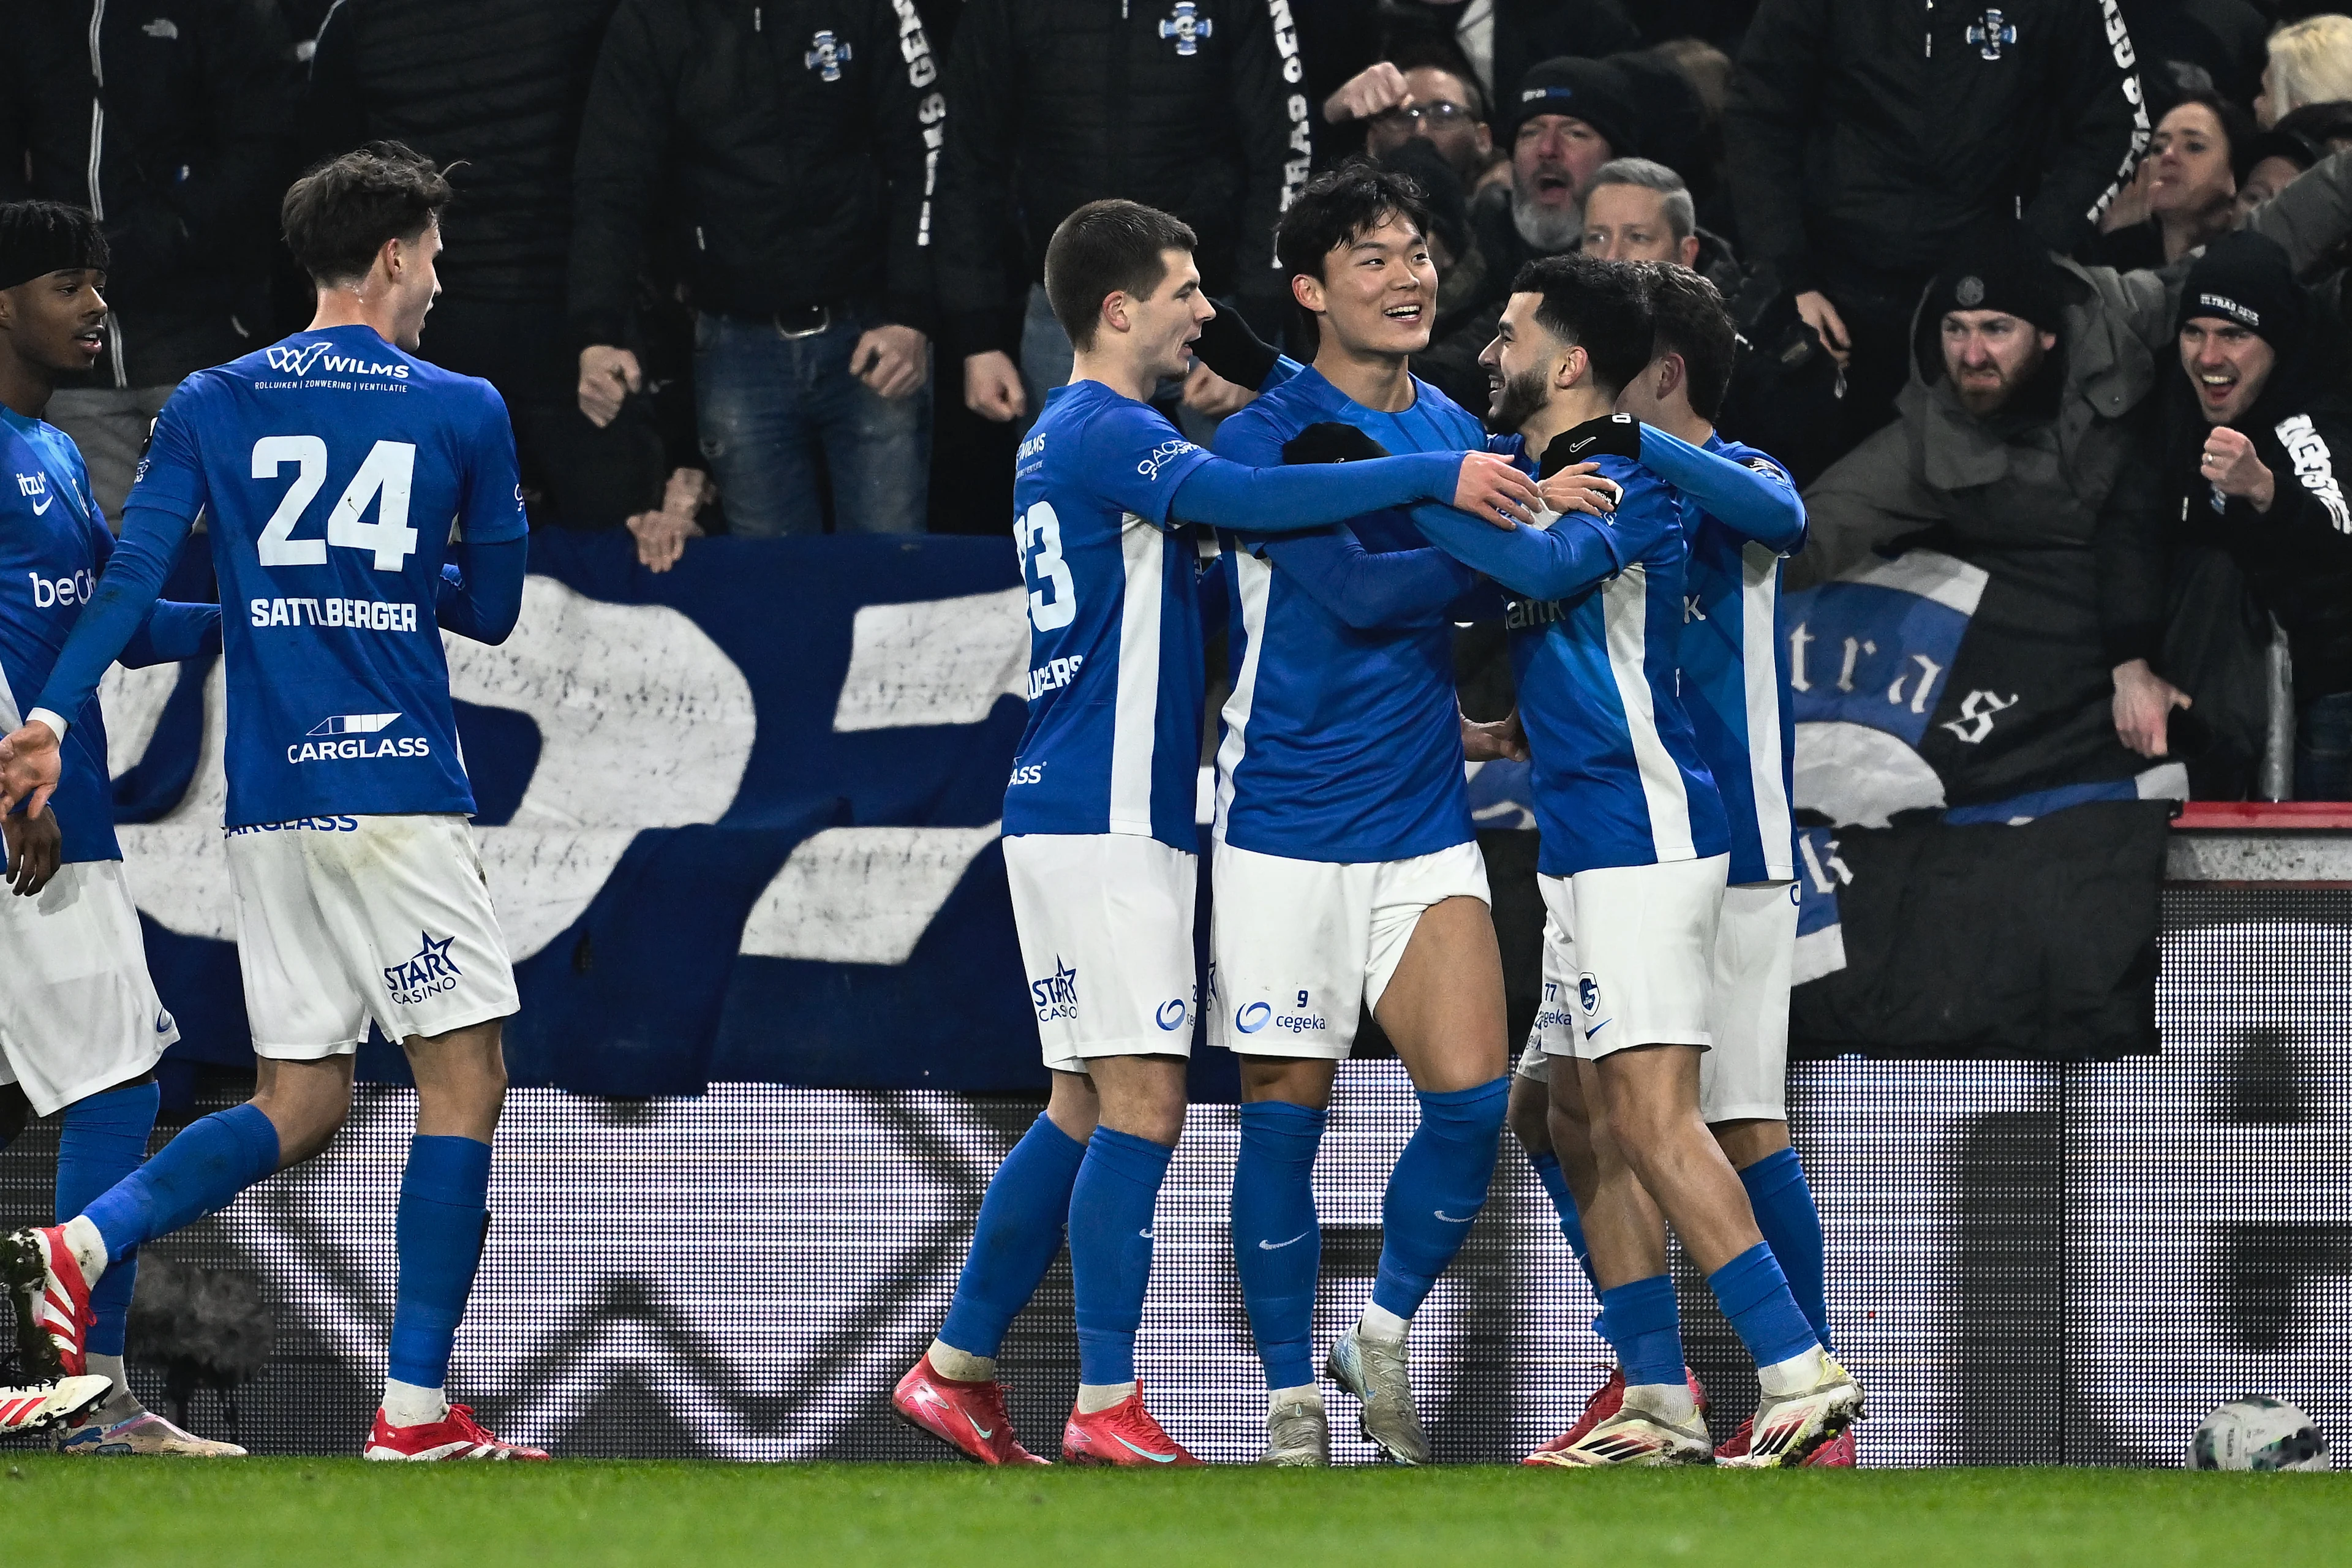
pixel 1742 516
pixel 54 547
pixel 1341 739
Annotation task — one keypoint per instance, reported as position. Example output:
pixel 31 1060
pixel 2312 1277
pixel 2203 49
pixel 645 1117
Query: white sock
pixel 1669 1401
pixel 406 1404
pixel 1097 1397
pixel 1796 1374
pixel 88 1247
pixel 1379 1324
pixel 120 1403
pixel 1305 1394
pixel 960 1366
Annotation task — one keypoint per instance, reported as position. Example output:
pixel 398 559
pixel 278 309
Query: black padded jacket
pixel 1197 107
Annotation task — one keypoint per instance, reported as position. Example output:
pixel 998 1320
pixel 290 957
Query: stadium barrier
pixel 816 1104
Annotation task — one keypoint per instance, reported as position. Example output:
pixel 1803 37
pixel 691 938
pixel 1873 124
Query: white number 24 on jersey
pixel 1041 549
pixel 384 477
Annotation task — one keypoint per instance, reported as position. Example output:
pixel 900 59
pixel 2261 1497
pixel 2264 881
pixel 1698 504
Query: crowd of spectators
pixel 769 269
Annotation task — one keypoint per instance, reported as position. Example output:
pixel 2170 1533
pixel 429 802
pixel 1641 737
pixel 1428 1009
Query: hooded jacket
pixel 172 120
pixel 1865 131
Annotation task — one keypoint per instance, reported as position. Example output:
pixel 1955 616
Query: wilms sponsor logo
pixel 302 359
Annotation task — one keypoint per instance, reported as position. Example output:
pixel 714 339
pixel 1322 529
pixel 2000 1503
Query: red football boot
pixel 1123 1434
pixel 54 1297
pixel 967 1417
pixel 1837 1454
pixel 457 1436
pixel 1605 1402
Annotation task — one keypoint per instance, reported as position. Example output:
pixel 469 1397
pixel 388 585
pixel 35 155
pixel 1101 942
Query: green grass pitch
pixel 341 1513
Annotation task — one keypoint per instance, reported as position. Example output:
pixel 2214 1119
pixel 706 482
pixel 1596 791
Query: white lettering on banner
pixel 861 895
pixel 1294 71
pixel 643 722
pixel 934 661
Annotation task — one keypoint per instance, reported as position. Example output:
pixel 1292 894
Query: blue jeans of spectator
pixel 2323 748
pixel 778 414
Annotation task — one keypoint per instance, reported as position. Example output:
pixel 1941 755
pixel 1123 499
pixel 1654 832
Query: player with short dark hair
pixel 1636 848
pixel 1347 873
pixel 80 1026
pixel 1099 839
pixel 359 899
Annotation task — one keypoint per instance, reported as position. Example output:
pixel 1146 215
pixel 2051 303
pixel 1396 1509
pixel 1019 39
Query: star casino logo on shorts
pixel 1057 996
pixel 429 973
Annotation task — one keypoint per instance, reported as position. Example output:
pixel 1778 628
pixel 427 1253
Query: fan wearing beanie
pixel 1996 308
pixel 2261 468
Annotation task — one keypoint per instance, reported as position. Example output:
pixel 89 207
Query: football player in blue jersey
pixel 1637 849
pixel 1347 875
pixel 359 896
pixel 1742 516
pixel 1100 846
pixel 80 1026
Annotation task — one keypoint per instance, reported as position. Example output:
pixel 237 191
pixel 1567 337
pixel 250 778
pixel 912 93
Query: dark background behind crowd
pixel 771 267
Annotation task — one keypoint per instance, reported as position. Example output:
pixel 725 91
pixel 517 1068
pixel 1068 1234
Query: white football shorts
pixel 1106 928
pixel 1746 1075
pixel 345 920
pixel 1627 956
pixel 1300 948
pixel 78 1011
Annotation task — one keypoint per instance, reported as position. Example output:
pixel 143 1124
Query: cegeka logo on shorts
pixel 344 738
pixel 430 972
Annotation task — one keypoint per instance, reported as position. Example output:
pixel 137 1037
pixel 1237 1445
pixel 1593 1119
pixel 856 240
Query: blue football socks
pixel 1436 1191
pixel 1277 1244
pixel 1756 1298
pixel 1563 1203
pixel 1111 1205
pixel 1644 1328
pixel 1018 1233
pixel 197 1174
pixel 438 1235
pixel 1793 1229
pixel 102 1139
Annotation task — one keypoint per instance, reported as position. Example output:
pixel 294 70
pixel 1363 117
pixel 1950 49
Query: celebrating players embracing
pixel 1100 846
pixel 1636 852
pixel 358 893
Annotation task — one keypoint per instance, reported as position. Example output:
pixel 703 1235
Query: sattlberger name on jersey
pixel 350 615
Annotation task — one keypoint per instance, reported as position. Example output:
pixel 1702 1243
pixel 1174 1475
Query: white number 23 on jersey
pixel 1040 551
pixel 384 477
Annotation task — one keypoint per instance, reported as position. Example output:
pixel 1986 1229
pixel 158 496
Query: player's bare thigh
pixel 461 1081
pixel 1443 1006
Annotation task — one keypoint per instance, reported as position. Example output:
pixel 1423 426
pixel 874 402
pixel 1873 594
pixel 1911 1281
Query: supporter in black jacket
pixel 494 90
pixel 183 151
pixel 1865 137
pixel 2261 432
pixel 1192 106
pixel 785 151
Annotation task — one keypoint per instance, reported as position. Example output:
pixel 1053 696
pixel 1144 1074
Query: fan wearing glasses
pixel 1398 102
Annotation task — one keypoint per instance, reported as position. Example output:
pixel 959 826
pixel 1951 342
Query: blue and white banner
pixel 740 818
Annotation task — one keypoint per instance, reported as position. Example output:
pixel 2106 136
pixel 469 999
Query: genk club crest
pixel 1993 33
pixel 827 55
pixel 1187 27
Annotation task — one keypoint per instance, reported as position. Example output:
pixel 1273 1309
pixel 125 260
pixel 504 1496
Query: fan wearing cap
pixel 2261 470
pixel 80 1024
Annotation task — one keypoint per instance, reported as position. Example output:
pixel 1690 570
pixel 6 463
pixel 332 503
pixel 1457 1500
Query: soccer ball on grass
pixel 2258 1434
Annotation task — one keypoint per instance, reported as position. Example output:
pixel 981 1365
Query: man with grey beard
pixel 1570 116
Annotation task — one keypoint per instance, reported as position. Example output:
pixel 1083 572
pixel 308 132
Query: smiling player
pixel 1100 843
pixel 359 897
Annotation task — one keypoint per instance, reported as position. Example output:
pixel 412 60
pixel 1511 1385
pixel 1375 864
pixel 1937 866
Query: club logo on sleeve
pixel 430 972
pixel 1187 27
pixel 827 55
pixel 344 738
pixel 1057 996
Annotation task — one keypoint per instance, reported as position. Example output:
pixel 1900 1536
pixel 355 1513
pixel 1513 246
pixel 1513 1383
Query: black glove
pixel 1229 348
pixel 1332 442
pixel 1611 435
